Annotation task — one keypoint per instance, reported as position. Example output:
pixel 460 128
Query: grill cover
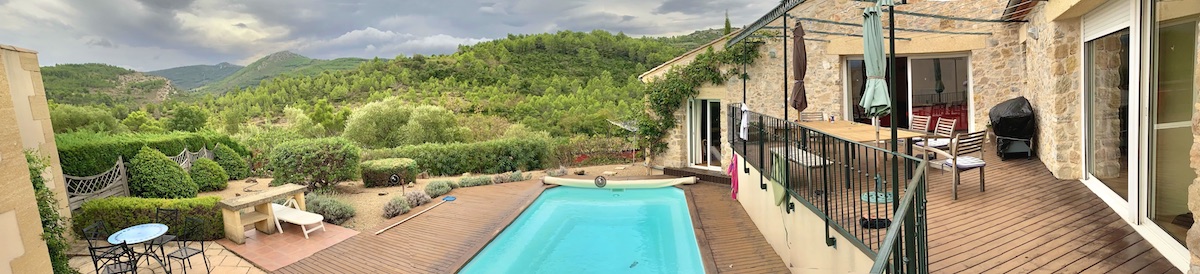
pixel 1013 119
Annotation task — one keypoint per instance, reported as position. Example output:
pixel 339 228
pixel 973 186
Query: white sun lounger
pixel 290 212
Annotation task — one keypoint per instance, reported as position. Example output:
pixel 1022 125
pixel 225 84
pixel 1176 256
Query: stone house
pixel 1115 85
pixel 24 125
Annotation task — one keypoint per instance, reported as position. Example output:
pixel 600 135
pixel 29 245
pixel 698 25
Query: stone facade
pixel 20 226
pixel 1053 87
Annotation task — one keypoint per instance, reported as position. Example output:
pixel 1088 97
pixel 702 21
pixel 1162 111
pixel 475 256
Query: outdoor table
pixel 862 133
pixel 139 234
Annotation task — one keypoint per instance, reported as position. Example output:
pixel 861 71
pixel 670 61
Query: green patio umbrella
pixel 875 100
pixel 937 77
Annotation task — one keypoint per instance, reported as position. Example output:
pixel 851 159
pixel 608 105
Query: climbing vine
pixel 667 94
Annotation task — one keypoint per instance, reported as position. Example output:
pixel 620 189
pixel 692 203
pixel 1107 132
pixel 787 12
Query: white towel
pixel 744 133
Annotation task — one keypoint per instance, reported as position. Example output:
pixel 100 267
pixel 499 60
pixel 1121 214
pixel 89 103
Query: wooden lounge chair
pixel 290 212
pixel 958 160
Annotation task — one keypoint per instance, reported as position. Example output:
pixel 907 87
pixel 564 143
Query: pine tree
pixel 728 28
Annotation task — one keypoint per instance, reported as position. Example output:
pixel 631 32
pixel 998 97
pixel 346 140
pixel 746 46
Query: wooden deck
pixel 727 235
pixel 1029 222
pixel 444 239
pixel 440 241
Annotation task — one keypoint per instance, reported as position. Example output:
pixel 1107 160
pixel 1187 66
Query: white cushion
pixel 966 162
pixel 935 142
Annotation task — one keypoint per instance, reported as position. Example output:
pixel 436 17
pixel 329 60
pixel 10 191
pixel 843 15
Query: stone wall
pixel 1052 86
pixel 28 96
pixel 20 226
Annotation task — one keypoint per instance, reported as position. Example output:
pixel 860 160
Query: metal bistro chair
pixel 103 252
pixel 124 262
pixel 169 217
pixel 958 160
pixel 942 133
pixel 190 235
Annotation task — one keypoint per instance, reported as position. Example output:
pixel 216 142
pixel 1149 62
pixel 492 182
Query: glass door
pixel 939 89
pixel 1172 101
pixel 1107 96
pixel 704 130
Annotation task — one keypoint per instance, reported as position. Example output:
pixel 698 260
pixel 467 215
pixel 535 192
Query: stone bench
pixel 262 217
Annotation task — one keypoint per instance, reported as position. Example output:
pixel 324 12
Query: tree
pixel 233 120
pixel 187 118
pixel 69 118
pixel 142 121
pixel 728 27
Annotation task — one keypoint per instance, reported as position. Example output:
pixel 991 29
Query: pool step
pixel 704 175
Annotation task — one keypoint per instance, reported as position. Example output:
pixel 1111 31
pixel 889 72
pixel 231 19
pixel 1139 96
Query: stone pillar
pixel 20 225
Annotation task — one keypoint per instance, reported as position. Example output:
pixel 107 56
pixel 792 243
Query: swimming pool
pixel 586 230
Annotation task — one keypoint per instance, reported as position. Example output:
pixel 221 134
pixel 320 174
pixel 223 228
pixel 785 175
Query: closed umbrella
pixel 937 77
pixel 799 68
pixel 875 100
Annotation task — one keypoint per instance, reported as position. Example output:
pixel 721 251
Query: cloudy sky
pixel 157 34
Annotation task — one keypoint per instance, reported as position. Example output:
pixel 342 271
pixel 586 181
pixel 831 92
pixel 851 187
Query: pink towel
pixel 733 175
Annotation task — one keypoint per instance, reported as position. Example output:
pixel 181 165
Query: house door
pixel 857 73
pixel 1108 96
pixel 704 149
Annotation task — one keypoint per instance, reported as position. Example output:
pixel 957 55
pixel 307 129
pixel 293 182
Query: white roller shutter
pixel 1109 17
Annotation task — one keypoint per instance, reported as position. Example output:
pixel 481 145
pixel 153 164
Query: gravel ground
pixel 368 203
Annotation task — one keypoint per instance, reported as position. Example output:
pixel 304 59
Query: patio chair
pixel 102 251
pixel 169 217
pixel 958 160
pixel 812 116
pixel 919 123
pixel 942 133
pixel 190 234
pixel 112 259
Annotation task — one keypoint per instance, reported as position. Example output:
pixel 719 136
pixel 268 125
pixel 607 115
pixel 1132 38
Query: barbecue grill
pixel 1014 125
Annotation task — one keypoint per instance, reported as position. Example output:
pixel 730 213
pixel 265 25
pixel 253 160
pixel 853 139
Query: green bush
pixel 69 118
pixel 53 224
pixel 475 181
pixel 90 153
pixel 417 198
pixel 515 176
pixel 438 188
pixel 233 163
pixel 260 141
pixel 494 156
pixel 187 118
pixel 377 173
pixel 398 205
pixel 122 212
pixel 314 162
pixel 335 211
pixel 153 175
pixel 208 175
pixel 391 123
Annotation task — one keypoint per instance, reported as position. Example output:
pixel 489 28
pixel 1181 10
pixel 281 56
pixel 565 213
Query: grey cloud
pixel 167 5
pixel 240 25
pixel 699 7
pixel 101 42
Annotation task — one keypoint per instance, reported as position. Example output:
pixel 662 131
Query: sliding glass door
pixel 1173 86
pixel 1107 96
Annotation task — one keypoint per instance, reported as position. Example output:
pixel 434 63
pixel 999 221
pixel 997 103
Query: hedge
pixel 153 175
pixel 378 173
pixel 494 156
pixel 89 153
pixel 208 175
pixel 314 162
pixel 474 181
pixel 234 164
pixel 122 212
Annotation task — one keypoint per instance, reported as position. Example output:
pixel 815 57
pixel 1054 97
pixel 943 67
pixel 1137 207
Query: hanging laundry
pixel 744 133
pixel 733 175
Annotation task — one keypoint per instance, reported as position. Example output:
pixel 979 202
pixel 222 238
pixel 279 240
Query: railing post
pixel 762 162
pixel 829 241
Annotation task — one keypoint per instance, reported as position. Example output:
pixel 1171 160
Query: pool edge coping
pixel 706 256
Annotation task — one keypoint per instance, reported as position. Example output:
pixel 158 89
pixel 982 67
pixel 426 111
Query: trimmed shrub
pixel 378 173
pixel 208 175
pixel 510 177
pixel 233 163
pixel 335 211
pixel 90 153
pixel 53 224
pixel 314 162
pixel 153 175
pixel 417 198
pixel 122 212
pixel 438 188
pixel 558 172
pixel 494 156
pixel 474 181
pixel 398 205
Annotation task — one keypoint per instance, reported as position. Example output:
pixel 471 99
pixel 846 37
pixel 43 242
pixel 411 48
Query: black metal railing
pixel 855 187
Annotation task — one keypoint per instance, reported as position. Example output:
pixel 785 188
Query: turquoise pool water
pixel 583 230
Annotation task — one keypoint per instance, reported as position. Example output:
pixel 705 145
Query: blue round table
pixel 138 234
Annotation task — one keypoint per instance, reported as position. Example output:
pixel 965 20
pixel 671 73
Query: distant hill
pixel 90 84
pixel 191 77
pixel 276 64
pixel 694 39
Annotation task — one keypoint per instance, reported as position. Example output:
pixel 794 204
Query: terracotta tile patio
pixel 274 251
pixel 219 258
